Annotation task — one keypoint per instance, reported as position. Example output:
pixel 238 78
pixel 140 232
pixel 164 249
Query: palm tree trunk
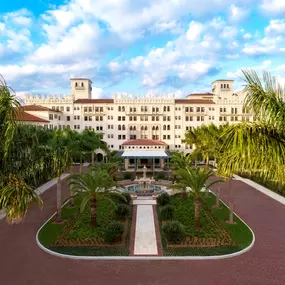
pixel 80 166
pixel 92 157
pixel 231 203
pixel 197 213
pixel 58 198
pixel 218 198
pixel 93 210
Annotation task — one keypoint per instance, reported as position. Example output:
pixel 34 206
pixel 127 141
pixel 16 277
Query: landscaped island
pixel 215 235
pixel 75 236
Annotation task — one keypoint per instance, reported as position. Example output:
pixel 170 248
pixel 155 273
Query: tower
pixel 223 89
pixel 81 88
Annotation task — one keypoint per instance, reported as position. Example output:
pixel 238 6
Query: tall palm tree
pixel 257 146
pixel 180 160
pixel 196 179
pixel 60 148
pixel 91 187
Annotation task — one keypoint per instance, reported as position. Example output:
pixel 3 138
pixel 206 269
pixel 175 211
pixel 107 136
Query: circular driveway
pixel 23 262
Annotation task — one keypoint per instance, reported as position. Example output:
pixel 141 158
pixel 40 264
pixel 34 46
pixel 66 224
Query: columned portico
pixel 144 152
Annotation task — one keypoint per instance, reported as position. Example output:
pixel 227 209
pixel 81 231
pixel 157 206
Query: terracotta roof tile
pixel 36 108
pixel 194 101
pixel 93 101
pixel 200 94
pixel 26 117
pixel 143 142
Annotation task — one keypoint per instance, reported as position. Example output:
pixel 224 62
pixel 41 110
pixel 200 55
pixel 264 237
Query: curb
pixel 212 257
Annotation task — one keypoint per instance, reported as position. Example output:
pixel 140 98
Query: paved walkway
pixel 145 237
pixel 22 262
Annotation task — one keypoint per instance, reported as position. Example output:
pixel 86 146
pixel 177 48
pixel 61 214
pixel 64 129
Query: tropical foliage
pixel 32 155
pixel 195 179
pixel 92 186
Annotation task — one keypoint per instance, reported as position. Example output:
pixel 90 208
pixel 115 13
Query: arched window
pixel 157 128
pixel 145 128
pixel 153 128
pixel 142 128
pixel 76 84
pixel 164 127
pixel 82 84
pixel 134 128
pixel 119 127
pixel 168 127
pixel 131 128
pixel 123 127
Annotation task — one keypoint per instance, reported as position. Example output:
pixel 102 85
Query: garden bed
pixel 75 236
pixel 215 237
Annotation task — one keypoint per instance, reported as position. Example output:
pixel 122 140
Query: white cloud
pixel 229 32
pixel 247 36
pixel 97 92
pixel 195 30
pixel 20 17
pixel 275 27
pixel 237 14
pixel 171 26
pixel 73 46
pixel 273 6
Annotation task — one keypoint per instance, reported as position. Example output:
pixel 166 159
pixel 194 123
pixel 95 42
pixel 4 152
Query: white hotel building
pixel 131 117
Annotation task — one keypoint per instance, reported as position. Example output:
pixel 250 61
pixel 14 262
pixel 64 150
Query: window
pixel 85 118
pixel 123 118
pixel 67 109
pixel 186 109
pixel 62 108
pixel 119 127
pixel 198 109
pixel 123 109
pixel 164 109
pixel 168 127
pixel 135 118
pixel 220 119
pixel 190 118
pixel 164 118
pixel 168 109
pixel 50 116
pixel 164 127
pixel 202 118
pixel 153 118
pixel 168 118
pixel 164 137
pixel 85 109
pixel 202 109
pixel 90 118
pixel 68 118
pixel 119 109
pixel 191 109
pixel 157 118
pixel 168 137
pixel 119 118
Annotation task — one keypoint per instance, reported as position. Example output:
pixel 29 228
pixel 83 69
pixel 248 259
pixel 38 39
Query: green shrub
pixel 127 175
pixel 160 176
pixel 173 231
pixel 113 232
pixel 127 196
pixel 166 212
pixel 122 211
pixel 163 199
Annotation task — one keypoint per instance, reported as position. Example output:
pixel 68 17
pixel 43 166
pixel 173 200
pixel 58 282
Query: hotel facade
pixel 130 117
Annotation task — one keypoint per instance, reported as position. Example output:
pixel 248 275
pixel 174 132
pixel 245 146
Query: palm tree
pixel 91 187
pixel 60 148
pixel 196 179
pixel 15 197
pixel 257 146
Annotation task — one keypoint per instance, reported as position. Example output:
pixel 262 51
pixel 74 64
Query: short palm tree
pixel 196 179
pixel 15 197
pixel 90 187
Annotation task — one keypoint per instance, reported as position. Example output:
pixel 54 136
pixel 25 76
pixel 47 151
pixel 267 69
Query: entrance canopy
pixel 145 154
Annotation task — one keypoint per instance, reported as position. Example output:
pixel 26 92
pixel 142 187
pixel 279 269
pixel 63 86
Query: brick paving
pixel 23 263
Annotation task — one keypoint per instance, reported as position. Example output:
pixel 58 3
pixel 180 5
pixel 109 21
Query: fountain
pixel 144 182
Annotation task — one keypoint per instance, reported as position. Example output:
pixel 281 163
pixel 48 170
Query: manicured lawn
pixel 77 228
pixel 214 226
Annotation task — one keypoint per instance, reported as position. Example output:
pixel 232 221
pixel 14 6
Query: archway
pixel 99 157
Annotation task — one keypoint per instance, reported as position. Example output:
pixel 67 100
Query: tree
pixel 92 186
pixel 60 148
pixel 180 160
pixel 15 197
pixel 257 146
pixel 196 179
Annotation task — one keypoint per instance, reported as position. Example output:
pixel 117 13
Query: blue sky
pixel 159 46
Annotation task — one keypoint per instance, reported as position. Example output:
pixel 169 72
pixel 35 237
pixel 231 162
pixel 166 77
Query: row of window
pixel 90 109
pixel 198 109
pixel 198 118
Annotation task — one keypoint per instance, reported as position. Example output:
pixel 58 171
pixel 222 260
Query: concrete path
pixel 145 237
pixel 24 263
